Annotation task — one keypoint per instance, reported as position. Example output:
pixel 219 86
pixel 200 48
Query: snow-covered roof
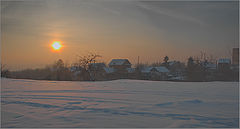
pixel 160 69
pixel 109 70
pixel 119 62
pixel 130 70
pixel 172 62
pixel 146 70
pixel 224 60
pixel 211 66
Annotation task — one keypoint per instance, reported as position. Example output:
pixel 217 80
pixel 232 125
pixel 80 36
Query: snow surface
pixel 119 103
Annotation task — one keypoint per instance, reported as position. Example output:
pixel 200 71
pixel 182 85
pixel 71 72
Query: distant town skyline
pixel 116 29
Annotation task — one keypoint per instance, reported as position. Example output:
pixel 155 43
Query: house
pixel 96 66
pixel 224 69
pixel 155 73
pixel 224 65
pixel 120 65
pixel 224 61
pixel 176 66
pixel 209 70
pixel 211 66
pixel 160 69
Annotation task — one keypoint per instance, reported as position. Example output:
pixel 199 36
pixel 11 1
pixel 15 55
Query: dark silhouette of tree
pixel 190 64
pixel 84 62
pixel 195 70
pixel 166 59
pixel 4 71
pixel 61 71
pixel 165 63
pixel 191 69
pixel 59 64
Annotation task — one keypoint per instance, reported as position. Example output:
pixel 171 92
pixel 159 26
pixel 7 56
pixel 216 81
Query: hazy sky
pixel 115 29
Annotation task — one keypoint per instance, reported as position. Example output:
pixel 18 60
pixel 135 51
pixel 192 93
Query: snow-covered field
pixel 119 103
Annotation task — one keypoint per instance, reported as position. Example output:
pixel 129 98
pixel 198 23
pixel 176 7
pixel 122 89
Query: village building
pixel 224 65
pixel 99 71
pixel 224 71
pixel 120 65
pixel 176 70
pixel 210 70
pixel 155 73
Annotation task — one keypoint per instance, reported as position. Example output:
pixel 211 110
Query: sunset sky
pixel 115 29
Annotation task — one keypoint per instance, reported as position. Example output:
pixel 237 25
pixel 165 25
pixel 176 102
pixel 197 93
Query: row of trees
pixel 195 70
pixel 58 70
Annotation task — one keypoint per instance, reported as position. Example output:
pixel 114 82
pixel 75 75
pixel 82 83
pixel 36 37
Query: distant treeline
pixel 85 69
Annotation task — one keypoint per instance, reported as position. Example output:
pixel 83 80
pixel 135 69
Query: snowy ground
pixel 119 103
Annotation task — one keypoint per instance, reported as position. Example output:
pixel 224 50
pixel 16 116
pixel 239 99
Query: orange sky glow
pixel 119 29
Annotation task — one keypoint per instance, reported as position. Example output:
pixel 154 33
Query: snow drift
pixel 119 103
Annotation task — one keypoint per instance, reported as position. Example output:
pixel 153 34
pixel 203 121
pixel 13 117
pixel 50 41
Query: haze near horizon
pixel 116 29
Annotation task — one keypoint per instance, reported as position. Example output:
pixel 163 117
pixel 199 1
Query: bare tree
pixel 84 62
pixel 165 59
pixel 165 63
pixel 4 71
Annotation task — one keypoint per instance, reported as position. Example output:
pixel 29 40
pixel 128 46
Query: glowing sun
pixel 56 45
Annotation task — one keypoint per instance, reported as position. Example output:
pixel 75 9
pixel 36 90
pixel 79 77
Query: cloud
pixel 170 13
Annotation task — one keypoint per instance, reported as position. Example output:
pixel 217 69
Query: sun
pixel 56 45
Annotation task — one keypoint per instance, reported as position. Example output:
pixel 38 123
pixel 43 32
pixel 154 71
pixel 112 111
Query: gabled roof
pixel 146 69
pixel 224 60
pixel 119 62
pixel 160 69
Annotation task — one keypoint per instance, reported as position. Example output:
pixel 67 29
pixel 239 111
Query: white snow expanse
pixel 119 103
